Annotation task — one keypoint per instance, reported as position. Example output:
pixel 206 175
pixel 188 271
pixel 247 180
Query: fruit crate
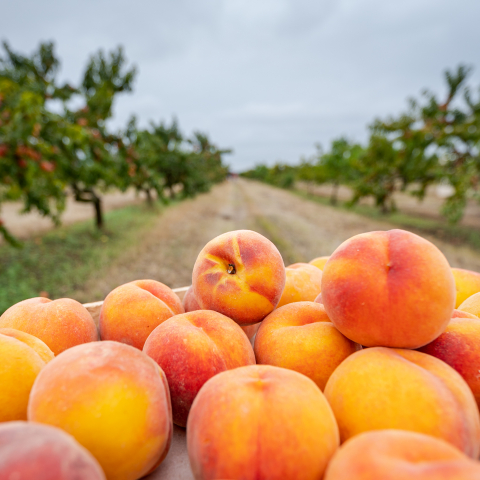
pixel 176 465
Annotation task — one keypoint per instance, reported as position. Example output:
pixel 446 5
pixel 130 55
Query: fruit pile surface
pixel 361 365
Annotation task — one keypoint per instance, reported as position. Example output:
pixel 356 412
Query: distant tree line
pixel 51 145
pixel 434 142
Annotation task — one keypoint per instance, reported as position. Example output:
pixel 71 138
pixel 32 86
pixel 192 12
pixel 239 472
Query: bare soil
pixel 301 229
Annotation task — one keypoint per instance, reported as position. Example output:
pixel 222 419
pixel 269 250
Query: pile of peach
pixel 365 365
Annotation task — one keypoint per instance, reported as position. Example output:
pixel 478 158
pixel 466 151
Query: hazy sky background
pixel 269 78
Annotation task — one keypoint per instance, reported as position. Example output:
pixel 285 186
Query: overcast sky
pixel 268 78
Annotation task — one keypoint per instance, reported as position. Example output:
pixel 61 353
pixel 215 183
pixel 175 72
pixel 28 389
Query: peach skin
pixel 239 274
pixel 40 452
pixel 260 422
pixel 113 400
pixel 319 262
pixel 60 324
pixel 303 283
pixel 390 289
pixel 467 283
pixel 300 336
pixel 193 347
pixel 132 311
pixel 33 342
pixel 19 366
pixel 400 455
pixel 471 305
pixel 382 388
pixel 459 346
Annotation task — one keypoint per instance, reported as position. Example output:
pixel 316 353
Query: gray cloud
pixel 269 78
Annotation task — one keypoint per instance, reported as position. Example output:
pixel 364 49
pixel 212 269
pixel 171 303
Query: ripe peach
pixel 61 323
pixel 239 274
pixel 471 305
pixel 466 283
pixel 391 289
pixel 319 299
pixel 113 400
pixel 400 455
pixel 260 422
pixel 190 304
pixel 193 347
pixel 19 366
pixel 40 452
pixel 33 342
pixel 132 311
pixel 459 346
pixel 300 336
pixel 459 314
pixel 319 262
pixel 304 282
pixel 379 388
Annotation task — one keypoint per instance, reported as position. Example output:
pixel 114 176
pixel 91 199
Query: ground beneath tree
pixel 300 228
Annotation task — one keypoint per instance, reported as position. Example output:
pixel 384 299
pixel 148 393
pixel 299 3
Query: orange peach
pixel 400 455
pixel 459 346
pixel 391 289
pixel 40 452
pixel 189 301
pixel 381 388
pixel 114 400
pixel 459 314
pixel 33 342
pixel 239 274
pixel 304 283
pixel 61 323
pixel 193 347
pixel 300 336
pixel 260 422
pixel 190 304
pixel 132 311
pixel 19 366
pixel 471 305
pixel 319 262
pixel 467 283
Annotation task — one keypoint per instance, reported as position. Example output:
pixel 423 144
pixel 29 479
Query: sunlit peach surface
pixel 260 422
pixel 303 283
pixel 466 283
pixel 390 289
pixel 400 455
pixel 240 274
pixel 193 347
pixel 319 262
pixel 300 336
pixel 131 312
pixel 61 323
pixel 31 451
pixel 113 399
pixel 379 388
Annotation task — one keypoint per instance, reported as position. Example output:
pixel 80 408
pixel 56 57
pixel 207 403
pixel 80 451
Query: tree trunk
pixel 149 197
pixel 97 203
pixel 334 195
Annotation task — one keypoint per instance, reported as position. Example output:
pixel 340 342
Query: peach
pixel 381 388
pixel 459 346
pixel 400 455
pixel 113 399
pixel 33 342
pixel 459 314
pixel 304 283
pixel 300 336
pixel 319 262
pixel 193 347
pixel 190 304
pixel 260 422
pixel 391 289
pixel 40 452
pixel 19 366
pixel 60 324
pixel 467 283
pixel 471 305
pixel 132 311
pixel 319 299
pixel 239 274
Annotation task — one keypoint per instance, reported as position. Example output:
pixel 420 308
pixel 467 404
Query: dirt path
pixel 301 229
